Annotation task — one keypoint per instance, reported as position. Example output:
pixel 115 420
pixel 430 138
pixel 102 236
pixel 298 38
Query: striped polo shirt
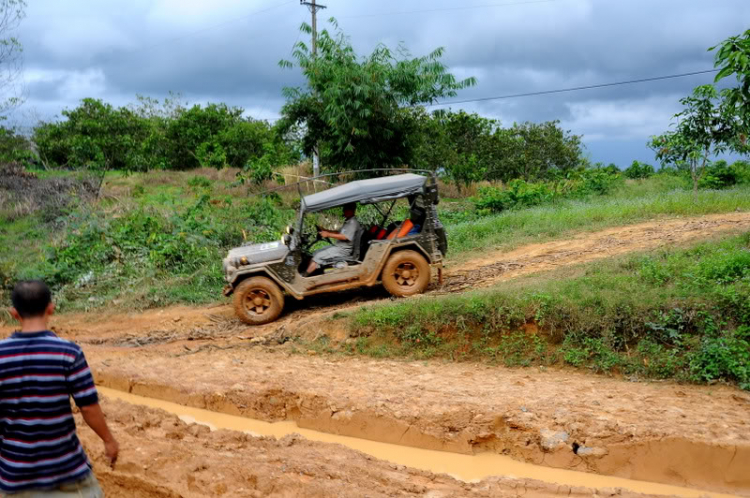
pixel 39 447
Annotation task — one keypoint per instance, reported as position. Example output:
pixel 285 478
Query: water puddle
pixel 462 467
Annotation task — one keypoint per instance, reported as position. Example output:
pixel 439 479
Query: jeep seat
pixel 355 258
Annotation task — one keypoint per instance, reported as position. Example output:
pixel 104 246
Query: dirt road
pixel 182 323
pixel 202 357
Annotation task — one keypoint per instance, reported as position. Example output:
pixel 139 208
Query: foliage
pixel 354 107
pixel 14 147
pixel 154 135
pixel 520 194
pixel 94 136
pixel 628 203
pixel 468 148
pixel 704 129
pixel 733 59
pixel 639 170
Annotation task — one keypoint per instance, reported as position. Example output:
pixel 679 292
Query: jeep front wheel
pixel 258 300
pixel 406 273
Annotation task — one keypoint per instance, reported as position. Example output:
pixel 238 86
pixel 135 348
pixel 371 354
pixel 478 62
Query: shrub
pixel 725 357
pixel 718 175
pixel 520 193
pixel 639 170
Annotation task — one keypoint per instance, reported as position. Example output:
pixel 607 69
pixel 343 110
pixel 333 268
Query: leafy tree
pixel 704 128
pixel 538 151
pixel 357 107
pixel 468 148
pixel 156 135
pixel 95 136
pixel 733 58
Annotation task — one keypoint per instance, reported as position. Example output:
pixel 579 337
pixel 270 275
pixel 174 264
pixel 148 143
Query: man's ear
pixel 14 313
pixel 50 309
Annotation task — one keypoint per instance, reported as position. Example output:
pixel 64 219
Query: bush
pixel 718 175
pixel 639 170
pixel 520 193
pixel 96 135
pixel 724 357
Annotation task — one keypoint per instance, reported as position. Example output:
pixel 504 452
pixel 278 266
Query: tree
pixel 357 108
pixel 705 127
pixel 12 13
pixel 538 151
pixel 733 58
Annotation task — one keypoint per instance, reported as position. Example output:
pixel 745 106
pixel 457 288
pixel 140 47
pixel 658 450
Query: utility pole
pixel 314 7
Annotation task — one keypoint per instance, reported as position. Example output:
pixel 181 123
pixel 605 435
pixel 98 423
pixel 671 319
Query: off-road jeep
pixel 259 276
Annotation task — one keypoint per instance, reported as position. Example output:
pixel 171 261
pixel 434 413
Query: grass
pixel 678 313
pixel 636 201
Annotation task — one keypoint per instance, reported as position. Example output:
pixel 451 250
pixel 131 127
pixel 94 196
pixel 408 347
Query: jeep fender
pixel 254 272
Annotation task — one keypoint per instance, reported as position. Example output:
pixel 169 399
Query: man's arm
pixel 94 417
pixel 333 235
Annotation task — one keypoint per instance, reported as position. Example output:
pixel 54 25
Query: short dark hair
pixel 350 205
pixel 30 298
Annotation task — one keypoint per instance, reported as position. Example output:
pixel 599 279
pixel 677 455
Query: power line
pixel 574 89
pixel 448 9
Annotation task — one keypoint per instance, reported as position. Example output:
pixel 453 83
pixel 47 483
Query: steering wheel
pixel 308 245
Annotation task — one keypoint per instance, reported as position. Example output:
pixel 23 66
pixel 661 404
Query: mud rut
pixel 681 435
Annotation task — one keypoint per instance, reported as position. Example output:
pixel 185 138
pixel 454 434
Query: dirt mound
pixel 23 193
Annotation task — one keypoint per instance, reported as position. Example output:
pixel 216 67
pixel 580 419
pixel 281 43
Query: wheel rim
pixel 406 274
pixel 257 302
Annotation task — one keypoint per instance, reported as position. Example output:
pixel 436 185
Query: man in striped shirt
pixel 40 455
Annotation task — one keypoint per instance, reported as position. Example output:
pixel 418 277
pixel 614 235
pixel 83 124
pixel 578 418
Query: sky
pixel 228 51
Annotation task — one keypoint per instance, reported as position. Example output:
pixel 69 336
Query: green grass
pixel 633 203
pixel 679 313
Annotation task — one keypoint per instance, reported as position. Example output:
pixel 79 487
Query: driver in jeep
pixel 344 246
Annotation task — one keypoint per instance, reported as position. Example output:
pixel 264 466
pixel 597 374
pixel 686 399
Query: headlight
pixel 244 261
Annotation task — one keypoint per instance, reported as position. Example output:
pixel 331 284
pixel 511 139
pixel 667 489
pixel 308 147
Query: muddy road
pixel 308 317
pixel 165 457
pixel 690 436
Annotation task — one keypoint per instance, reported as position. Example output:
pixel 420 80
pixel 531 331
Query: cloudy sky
pixel 228 50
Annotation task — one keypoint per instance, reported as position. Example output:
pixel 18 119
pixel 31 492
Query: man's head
pixel 31 299
pixel 350 210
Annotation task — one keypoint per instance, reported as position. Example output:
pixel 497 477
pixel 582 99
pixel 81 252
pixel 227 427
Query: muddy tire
pixel 406 273
pixel 258 300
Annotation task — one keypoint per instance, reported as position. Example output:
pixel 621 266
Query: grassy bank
pixel 680 313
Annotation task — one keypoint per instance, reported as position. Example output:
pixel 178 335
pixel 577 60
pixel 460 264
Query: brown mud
pixel 682 435
pixel 164 457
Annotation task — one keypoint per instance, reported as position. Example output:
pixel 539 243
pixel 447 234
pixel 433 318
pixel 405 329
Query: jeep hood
pixel 254 254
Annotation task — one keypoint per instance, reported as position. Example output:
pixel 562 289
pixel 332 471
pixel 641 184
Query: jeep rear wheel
pixel 406 273
pixel 258 300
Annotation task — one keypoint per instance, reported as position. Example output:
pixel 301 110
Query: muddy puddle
pixel 466 468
